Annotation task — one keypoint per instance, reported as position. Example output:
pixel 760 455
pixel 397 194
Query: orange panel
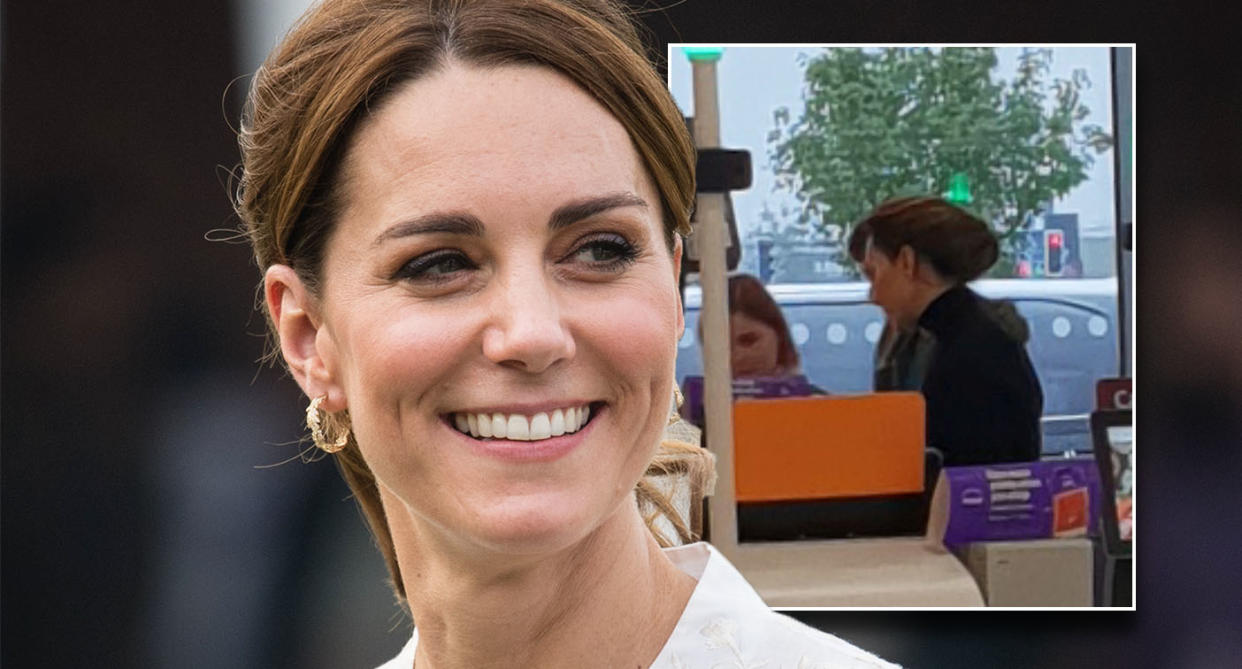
pixel 824 447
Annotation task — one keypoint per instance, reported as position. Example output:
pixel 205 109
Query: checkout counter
pixel 821 485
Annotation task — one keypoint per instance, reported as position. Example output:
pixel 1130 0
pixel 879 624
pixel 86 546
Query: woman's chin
pixel 536 524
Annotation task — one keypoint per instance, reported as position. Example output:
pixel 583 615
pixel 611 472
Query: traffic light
pixel 1054 249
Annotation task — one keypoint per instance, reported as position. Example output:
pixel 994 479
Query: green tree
pixel 880 123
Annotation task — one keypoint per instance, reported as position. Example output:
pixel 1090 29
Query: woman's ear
pixel 306 345
pixel 907 261
pixel 925 272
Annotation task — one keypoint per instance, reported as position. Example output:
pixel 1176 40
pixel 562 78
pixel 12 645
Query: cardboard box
pixel 1037 572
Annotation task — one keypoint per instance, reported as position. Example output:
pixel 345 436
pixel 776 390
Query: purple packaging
pixel 1032 500
pixel 783 386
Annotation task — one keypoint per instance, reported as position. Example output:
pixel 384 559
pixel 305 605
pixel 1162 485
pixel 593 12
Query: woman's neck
pixel 924 294
pixel 612 600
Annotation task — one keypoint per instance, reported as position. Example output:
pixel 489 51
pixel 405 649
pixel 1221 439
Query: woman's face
pixel 755 347
pixel 500 263
pixel 890 283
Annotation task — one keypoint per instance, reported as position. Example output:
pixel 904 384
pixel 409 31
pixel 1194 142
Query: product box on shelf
pixel 1005 502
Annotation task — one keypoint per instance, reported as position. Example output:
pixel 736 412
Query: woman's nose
pixel 527 330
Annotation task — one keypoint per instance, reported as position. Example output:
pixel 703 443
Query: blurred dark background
pixel 141 525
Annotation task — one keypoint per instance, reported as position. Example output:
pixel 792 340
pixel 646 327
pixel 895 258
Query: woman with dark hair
pixel 468 215
pixel 760 342
pixel 966 354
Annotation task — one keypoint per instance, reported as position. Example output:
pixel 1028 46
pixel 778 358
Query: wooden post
pixel 712 239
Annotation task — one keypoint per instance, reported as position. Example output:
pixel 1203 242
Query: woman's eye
pixel 435 266
pixel 609 252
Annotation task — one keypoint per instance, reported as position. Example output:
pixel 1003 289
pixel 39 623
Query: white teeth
pixel 558 423
pixel 540 427
pixel 520 428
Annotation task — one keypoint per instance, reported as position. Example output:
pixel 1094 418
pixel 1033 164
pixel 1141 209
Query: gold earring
pixel 320 435
pixel 675 414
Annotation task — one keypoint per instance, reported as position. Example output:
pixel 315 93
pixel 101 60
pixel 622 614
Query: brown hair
pixel 747 295
pixel 959 246
pixel 341 62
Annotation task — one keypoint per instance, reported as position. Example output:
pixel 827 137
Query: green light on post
pixel 703 53
pixel 959 190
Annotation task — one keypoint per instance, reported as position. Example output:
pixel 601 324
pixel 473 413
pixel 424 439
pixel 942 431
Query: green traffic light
pixel 703 53
pixel 959 189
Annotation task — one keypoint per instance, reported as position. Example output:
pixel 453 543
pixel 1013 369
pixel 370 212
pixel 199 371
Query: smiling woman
pixel 467 216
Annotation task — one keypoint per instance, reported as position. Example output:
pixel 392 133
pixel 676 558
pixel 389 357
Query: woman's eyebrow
pixel 567 215
pixel 456 223
pixel 462 223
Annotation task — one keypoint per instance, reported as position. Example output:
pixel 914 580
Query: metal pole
pixel 717 377
pixel 1123 125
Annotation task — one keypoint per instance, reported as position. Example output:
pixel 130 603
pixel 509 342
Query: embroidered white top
pixel 727 624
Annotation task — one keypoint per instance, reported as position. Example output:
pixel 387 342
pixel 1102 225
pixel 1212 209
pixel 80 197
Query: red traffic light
pixel 1054 246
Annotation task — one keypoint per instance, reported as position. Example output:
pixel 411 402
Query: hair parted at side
pixel 959 245
pixel 340 63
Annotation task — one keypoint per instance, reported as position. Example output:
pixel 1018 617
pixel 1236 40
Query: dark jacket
pixel 968 357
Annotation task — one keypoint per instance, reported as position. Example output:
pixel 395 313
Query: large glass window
pixel 1021 136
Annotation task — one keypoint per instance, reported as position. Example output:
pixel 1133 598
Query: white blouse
pixel 727 625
